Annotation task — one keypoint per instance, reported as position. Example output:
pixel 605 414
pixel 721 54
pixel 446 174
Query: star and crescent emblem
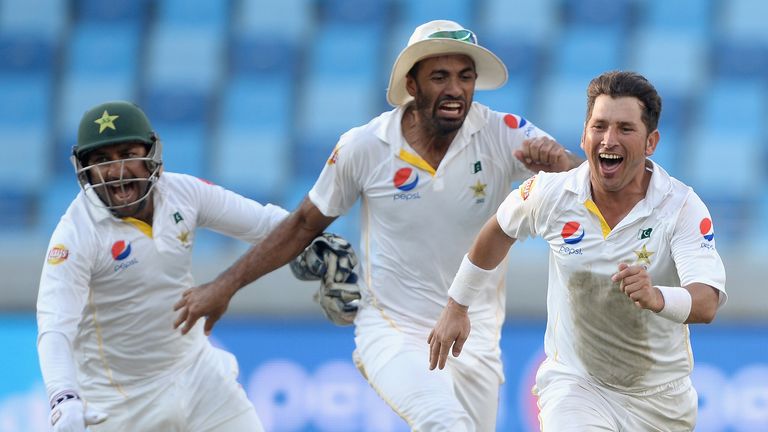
pixel 644 255
pixel 106 121
pixel 479 189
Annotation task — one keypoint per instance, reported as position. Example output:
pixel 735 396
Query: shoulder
pixel 510 125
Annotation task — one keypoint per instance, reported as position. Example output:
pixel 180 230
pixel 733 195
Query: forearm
pixel 491 246
pixel 704 303
pixel 573 159
pixel 56 363
pixel 282 245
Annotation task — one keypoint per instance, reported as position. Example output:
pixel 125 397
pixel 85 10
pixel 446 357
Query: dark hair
pixel 621 83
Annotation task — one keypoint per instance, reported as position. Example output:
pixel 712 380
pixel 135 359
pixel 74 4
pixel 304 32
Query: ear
pixel 583 134
pixel 651 142
pixel 411 85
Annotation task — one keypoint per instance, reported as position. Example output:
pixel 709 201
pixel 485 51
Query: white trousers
pixel 462 397
pixel 569 402
pixel 204 397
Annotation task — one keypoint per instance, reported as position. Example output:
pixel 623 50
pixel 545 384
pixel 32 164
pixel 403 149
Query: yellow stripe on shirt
pixel 141 225
pixel 416 161
pixel 592 207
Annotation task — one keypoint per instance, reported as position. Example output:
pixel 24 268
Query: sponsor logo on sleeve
pixel 58 254
pixel 526 188
pixel 708 232
pixel 514 121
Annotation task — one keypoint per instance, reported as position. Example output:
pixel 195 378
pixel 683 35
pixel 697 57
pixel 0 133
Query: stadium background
pixel 252 94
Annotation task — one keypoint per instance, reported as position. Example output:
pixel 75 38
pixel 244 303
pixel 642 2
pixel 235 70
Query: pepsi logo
pixel 406 179
pixel 121 250
pixel 514 122
pixel 706 228
pixel 572 232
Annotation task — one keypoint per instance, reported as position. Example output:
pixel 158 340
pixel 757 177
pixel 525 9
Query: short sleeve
pixel 338 186
pixel 693 247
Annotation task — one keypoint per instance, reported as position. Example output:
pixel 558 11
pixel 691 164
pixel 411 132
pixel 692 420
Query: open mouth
pixel 123 193
pixel 452 109
pixel 610 162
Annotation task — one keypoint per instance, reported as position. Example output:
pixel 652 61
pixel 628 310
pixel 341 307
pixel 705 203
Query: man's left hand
pixel 544 154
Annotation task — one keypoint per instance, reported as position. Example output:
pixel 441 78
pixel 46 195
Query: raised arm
pixel 282 245
pixel 452 329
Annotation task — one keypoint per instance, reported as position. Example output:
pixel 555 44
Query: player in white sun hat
pixel 429 173
pixel 632 262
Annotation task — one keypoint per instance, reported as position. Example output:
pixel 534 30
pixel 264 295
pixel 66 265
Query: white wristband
pixel 677 303
pixel 468 281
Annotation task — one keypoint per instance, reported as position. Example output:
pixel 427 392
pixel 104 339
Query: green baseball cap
pixel 110 123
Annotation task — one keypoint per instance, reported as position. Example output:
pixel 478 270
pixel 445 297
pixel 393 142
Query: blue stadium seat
pixel 187 57
pixel 373 14
pixel 45 19
pixel 561 110
pixel 514 97
pixel 291 20
pixel 252 55
pixel 328 108
pixel 24 101
pixel 104 51
pixel 606 14
pixel 533 20
pixel 185 148
pixel 743 19
pixel 414 13
pixel 740 59
pixel 669 150
pixel 671 59
pixel 206 15
pixel 723 163
pixel 26 156
pixel 694 17
pixel 585 52
pixel 256 163
pixel 113 11
pixel 26 55
pixel 342 52
pixel 730 101
pixel 176 105
pixel 522 57
pixel 310 155
pixel 16 210
pixel 258 103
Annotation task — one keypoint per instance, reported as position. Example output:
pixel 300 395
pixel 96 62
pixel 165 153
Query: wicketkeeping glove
pixel 330 259
pixel 70 414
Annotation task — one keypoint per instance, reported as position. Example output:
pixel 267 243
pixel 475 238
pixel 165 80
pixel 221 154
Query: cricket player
pixel 632 262
pixel 429 174
pixel 117 261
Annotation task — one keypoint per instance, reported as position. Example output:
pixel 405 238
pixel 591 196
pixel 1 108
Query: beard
pixel 427 109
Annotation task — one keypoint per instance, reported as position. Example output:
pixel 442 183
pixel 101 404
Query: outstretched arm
pixel 452 329
pixel 545 154
pixel 282 245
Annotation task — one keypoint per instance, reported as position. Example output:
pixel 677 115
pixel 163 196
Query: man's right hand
pixel 451 331
pixel 209 300
pixel 72 416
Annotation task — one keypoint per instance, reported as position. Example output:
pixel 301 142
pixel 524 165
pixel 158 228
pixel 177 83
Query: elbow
pixel 704 315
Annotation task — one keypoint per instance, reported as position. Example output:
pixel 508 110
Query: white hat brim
pixel 491 72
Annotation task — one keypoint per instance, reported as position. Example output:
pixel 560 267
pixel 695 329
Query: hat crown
pixel 110 123
pixel 424 31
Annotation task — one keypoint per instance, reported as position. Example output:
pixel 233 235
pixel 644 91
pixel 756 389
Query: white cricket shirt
pixel 593 329
pixel 109 285
pixel 417 222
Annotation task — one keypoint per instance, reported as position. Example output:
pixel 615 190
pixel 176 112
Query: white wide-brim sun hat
pixel 443 37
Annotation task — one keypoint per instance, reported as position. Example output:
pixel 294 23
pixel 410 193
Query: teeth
pixel 451 105
pixel 609 156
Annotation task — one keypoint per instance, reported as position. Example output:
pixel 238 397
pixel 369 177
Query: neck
pixel 421 135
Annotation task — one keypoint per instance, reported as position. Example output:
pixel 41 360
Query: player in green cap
pixel 117 261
